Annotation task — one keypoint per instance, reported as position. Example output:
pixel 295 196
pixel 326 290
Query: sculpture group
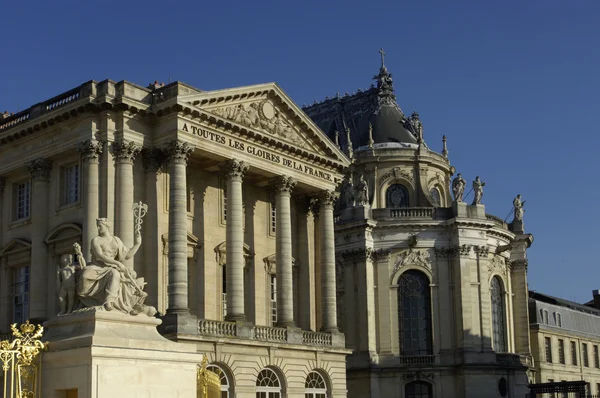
pixel 105 282
pixel 458 189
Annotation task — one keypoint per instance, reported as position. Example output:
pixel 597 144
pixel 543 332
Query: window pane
pixel 498 315
pixel 396 196
pixel 414 314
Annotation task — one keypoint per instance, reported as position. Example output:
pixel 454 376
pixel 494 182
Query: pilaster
pixel 381 259
pixel 38 272
pixel 518 277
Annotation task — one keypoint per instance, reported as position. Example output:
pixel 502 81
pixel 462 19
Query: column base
pixel 179 323
pixel 235 317
pixel 285 324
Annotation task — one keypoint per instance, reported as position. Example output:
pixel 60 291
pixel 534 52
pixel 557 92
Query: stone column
pixel 152 231
pixel 234 172
pixel 283 187
pixel 178 154
pixel 90 153
pixel 125 153
pixel 305 246
pixel 38 271
pixel 328 299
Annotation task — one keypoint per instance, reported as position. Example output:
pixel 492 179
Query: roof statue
pixel 478 190
pixel 518 208
pixel 458 188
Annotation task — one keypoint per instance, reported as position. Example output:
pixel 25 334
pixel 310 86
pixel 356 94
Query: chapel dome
pixel 367 115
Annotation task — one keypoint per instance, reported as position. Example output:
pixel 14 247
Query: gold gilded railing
pixel 209 383
pixel 21 361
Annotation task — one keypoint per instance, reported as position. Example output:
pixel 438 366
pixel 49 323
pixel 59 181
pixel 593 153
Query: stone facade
pixel 431 291
pixel 565 340
pixel 238 251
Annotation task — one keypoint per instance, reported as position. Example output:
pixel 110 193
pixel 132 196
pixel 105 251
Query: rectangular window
pixel 573 353
pixel 545 317
pixel 596 359
pixel 20 295
pixel 70 177
pixel 548 344
pixel 598 388
pixel 272 219
pixel 22 200
pixel 584 353
pixel 273 299
pixel 558 320
pixel 561 351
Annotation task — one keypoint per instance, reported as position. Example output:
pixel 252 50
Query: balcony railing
pixel 212 328
pixel 412 213
pixel 417 360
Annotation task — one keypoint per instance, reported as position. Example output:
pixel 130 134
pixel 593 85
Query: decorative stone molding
pixel 437 178
pixel 178 152
pixel 420 258
pixel 397 174
pixel 271 264
pixel 497 264
pixel 40 169
pixel 154 159
pixel 283 184
pixel 313 206
pixel 464 250
pixel 328 198
pixel 261 116
pixel 125 151
pixel 521 263
pixel 418 375
pixel 481 251
pixel 90 150
pixel 234 169
pixel 221 255
pixel 358 255
pixel 382 255
pixel 445 252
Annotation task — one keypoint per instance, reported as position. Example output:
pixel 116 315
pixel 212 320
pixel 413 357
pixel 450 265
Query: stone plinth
pixel 107 354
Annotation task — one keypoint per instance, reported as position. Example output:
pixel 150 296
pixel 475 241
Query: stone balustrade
pixel 417 360
pixel 243 330
pixel 422 213
pixel 496 220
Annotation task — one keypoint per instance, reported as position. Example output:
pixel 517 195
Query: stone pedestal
pixel 100 354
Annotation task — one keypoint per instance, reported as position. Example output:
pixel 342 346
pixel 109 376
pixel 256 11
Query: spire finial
pixel 444 148
pixel 337 138
pixel 371 142
pixel 383 54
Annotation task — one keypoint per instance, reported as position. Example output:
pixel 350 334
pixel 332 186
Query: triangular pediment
pixel 15 245
pixel 266 109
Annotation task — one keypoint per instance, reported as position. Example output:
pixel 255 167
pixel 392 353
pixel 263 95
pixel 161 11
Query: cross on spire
pixel 383 54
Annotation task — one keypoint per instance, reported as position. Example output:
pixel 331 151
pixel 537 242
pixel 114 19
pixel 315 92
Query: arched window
pixel 498 315
pixel 396 196
pixel 225 386
pixel 436 197
pixel 268 384
pixel 418 389
pixel 315 386
pixel 414 314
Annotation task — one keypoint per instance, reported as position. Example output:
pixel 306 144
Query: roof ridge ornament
pixel 385 85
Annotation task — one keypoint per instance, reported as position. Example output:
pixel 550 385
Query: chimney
pixel 596 294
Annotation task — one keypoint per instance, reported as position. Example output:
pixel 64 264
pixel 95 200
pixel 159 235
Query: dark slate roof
pixel 376 106
pixel 563 303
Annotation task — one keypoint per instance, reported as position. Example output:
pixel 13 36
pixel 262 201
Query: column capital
pixel 125 151
pixel 328 198
pixel 90 150
pixel 234 169
pixel 154 159
pixel 178 152
pixel 283 184
pixel 40 169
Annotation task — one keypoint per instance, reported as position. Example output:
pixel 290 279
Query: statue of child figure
pixel 66 283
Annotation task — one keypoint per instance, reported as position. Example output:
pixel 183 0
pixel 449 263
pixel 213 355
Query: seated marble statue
pixel 105 281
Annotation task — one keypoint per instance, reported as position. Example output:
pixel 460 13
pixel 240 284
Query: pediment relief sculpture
pixel 419 258
pixel 264 116
pixel 497 264
pixel 397 174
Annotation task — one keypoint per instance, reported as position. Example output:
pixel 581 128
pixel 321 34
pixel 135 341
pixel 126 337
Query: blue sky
pixel 513 84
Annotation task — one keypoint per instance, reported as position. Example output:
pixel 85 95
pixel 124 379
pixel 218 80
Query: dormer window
pixel 396 196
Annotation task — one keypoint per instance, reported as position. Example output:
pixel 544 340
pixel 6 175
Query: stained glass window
pixel 418 389
pixel 414 314
pixel 498 315
pixel 396 196
pixel 435 196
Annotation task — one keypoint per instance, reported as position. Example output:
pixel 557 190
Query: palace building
pixel 238 247
pixel 431 291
